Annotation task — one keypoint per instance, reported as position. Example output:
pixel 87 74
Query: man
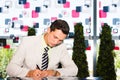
pixel 27 61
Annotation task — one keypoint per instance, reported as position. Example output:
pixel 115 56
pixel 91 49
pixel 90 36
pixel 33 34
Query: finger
pixel 44 74
pixel 36 74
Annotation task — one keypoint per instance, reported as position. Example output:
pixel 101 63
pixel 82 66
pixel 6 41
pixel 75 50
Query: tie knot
pixel 46 49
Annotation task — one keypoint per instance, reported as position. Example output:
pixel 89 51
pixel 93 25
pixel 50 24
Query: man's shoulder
pixel 31 38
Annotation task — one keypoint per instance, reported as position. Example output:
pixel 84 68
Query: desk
pixel 57 78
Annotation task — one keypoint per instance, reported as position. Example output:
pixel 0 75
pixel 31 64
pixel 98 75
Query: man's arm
pixel 14 68
pixel 69 68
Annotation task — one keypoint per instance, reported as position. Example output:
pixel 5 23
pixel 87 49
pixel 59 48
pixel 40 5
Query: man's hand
pixel 34 74
pixel 38 74
pixel 47 73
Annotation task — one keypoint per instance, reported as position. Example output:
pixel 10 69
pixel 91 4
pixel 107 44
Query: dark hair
pixel 61 25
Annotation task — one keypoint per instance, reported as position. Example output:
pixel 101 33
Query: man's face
pixel 55 38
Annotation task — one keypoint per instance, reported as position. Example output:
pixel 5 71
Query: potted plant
pixel 31 31
pixel 79 48
pixel 105 63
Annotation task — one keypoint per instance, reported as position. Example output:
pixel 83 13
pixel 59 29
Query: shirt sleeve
pixel 69 68
pixel 15 68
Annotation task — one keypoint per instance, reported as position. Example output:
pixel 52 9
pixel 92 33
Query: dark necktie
pixel 45 59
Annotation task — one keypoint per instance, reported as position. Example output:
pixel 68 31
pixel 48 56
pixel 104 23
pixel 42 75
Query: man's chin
pixel 54 45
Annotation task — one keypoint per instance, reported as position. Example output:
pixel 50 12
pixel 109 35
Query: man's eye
pixel 55 37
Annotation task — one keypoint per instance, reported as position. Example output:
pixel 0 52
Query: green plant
pixel 117 60
pixel 105 63
pixel 79 48
pixel 31 31
pixel 5 56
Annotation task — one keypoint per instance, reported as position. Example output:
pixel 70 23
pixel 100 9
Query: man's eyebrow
pixel 58 38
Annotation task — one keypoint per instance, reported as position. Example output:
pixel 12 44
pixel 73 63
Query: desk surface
pixel 57 78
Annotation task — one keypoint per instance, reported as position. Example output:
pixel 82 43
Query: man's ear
pixel 48 29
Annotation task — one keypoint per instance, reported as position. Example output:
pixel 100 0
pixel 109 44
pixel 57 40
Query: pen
pixel 37 67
